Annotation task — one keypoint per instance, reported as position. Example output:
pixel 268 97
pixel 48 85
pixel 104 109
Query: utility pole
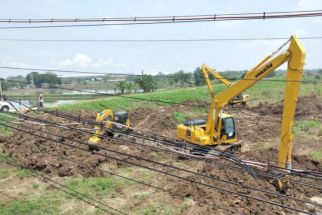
pixel 32 80
pixel 0 89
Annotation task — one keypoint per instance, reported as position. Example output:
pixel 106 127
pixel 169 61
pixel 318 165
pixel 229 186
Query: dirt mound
pixel 157 121
pixel 35 153
pixel 161 120
pixel 309 106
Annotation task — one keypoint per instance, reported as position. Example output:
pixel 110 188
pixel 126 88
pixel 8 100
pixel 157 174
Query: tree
pixel 48 78
pixel 130 86
pixel 180 77
pixel 4 85
pixel 146 82
pixel 31 77
pixel 17 81
pixel 198 77
pixel 272 74
pixel 122 86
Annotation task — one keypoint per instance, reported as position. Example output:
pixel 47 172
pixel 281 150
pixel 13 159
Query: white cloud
pixel 81 60
pixel 85 61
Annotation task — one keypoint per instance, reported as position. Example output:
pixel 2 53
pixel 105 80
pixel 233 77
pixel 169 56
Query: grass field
pixel 268 91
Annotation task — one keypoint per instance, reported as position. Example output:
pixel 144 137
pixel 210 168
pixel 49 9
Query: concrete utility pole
pixel 32 80
pixel 0 90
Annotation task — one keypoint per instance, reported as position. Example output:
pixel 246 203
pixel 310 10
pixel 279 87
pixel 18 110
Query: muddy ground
pixel 258 131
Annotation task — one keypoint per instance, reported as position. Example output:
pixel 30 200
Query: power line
pixel 155 40
pixel 221 189
pixel 63 71
pixel 134 180
pixel 93 122
pixel 75 193
pixel 78 119
pixel 184 170
pixel 159 19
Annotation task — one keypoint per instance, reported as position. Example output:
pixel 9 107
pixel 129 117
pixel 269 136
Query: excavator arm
pixel 107 115
pixel 295 56
pixel 218 76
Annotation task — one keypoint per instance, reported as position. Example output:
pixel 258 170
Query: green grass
pixel 175 95
pixel 154 208
pixel 5 173
pixel 101 186
pixel 5 131
pixel 45 204
pixel 18 172
pixel 193 113
pixel 308 127
pixel 316 155
pixel 270 91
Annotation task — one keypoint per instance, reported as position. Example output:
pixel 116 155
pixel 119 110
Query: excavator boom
pixel 295 56
pixel 220 127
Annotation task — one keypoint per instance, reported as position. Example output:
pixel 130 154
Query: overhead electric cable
pixel 64 188
pixel 155 40
pixel 221 189
pixel 184 170
pixel 156 19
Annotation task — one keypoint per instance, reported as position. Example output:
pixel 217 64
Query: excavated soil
pixel 308 107
pixel 257 126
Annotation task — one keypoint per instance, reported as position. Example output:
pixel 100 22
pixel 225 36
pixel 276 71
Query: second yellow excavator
pixel 106 121
pixel 221 129
pixel 239 99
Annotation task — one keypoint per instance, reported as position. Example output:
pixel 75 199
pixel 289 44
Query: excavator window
pixel 120 117
pixel 229 127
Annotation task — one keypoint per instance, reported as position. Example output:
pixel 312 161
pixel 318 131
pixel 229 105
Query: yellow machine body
pixel 239 99
pixel 197 134
pixel 107 120
pixel 210 133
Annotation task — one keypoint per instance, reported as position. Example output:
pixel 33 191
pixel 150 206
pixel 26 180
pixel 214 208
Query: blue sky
pixel 154 57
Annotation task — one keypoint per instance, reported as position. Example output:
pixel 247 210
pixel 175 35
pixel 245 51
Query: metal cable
pixel 34 173
pixel 78 119
pixel 238 194
pixel 158 19
pixel 165 165
pixel 155 40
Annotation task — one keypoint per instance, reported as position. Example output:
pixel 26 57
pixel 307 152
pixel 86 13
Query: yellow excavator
pixel 220 128
pixel 106 121
pixel 239 99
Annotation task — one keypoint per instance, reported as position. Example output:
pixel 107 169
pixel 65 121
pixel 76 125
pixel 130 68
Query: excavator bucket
pixel 92 143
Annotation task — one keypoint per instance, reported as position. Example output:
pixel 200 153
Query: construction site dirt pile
pixel 308 107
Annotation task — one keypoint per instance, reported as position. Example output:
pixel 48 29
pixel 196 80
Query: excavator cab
pixel 194 131
pixel 228 128
pixel 121 117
